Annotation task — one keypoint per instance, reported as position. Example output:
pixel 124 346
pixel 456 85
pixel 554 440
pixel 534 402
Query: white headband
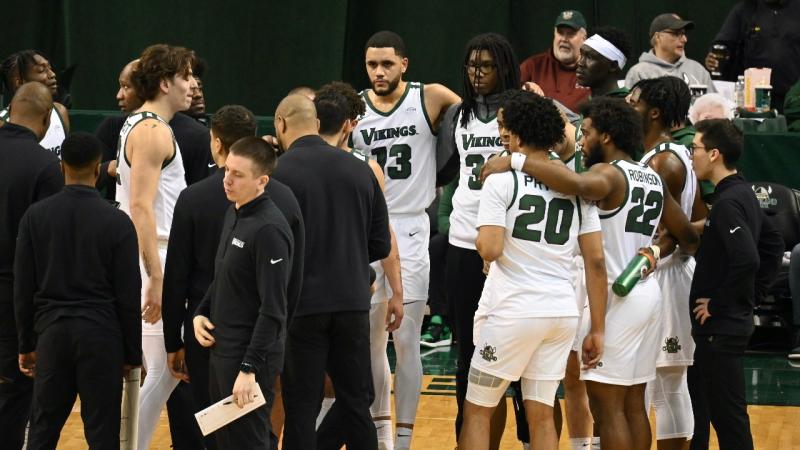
pixel 607 49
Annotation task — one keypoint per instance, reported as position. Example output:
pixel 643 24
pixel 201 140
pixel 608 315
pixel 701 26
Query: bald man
pixel 28 173
pixel 346 227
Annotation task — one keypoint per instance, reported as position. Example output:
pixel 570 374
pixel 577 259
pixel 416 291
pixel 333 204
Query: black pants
pixel 76 356
pixel 339 344
pixel 251 431
pixel 716 386
pixel 188 398
pixel 465 280
pixel 16 390
pixel 437 292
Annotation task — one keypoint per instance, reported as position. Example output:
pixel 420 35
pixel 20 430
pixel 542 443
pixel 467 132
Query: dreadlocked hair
pixel 507 69
pixel 16 65
pixel 669 94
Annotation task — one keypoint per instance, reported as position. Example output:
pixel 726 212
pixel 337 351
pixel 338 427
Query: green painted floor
pixel 771 380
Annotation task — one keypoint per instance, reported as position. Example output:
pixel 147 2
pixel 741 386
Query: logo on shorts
pixel 488 353
pixel 672 345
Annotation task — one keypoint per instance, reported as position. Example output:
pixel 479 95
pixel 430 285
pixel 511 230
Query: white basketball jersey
pixel 170 183
pixel 475 142
pixel 632 225
pixel 55 134
pixel 404 144
pixel 690 185
pixel 534 276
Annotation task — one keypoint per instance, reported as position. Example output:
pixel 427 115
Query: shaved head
pixel 297 109
pixel 32 99
pixel 295 117
pixel 31 107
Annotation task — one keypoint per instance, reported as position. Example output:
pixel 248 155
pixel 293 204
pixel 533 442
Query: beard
pixel 389 89
pixel 594 155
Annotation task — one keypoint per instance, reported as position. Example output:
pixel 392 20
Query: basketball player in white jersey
pixel 149 178
pixel 398 130
pixel 338 108
pixel 528 316
pixel 30 65
pixel 630 197
pixel 663 103
pixel 469 132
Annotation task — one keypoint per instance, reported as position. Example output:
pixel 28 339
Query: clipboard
pixel 225 411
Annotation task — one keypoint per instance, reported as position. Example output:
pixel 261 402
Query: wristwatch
pixel 246 367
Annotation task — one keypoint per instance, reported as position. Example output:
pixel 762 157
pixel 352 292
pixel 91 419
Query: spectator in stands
pixel 711 106
pixel 554 69
pixel 761 33
pixel 667 57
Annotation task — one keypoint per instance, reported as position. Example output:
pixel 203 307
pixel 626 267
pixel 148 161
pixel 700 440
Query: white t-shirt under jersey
pixel 534 277
pixel 170 183
pixel 476 143
pixel 55 134
pixel 404 144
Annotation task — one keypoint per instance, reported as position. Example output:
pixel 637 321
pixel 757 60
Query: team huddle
pixel 549 209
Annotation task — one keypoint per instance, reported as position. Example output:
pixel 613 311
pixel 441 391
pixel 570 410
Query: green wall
pixel 258 50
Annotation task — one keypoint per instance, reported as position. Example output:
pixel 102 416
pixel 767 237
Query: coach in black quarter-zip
pixel 243 314
pixel 737 260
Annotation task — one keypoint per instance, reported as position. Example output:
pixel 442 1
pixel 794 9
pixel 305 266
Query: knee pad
pixel 484 389
pixel 542 391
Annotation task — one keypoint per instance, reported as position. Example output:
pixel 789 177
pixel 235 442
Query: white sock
pixel 403 439
pixel 526 446
pixel 596 443
pixel 580 443
pixel 327 402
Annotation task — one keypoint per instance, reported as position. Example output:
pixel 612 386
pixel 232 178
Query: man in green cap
pixel 553 70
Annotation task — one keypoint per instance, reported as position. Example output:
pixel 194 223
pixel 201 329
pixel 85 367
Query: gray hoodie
pixel 651 66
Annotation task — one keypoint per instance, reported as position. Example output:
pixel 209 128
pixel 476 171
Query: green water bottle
pixel 625 282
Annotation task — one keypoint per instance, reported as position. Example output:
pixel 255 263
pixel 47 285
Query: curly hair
pixel 669 94
pixel 160 62
pixel 332 111
pixel 618 119
pixel 533 118
pixel 507 69
pixel 617 37
pixel 231 123
pixel 356 107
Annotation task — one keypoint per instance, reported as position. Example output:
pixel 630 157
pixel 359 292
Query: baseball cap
pixel 571 18
pixel 669 21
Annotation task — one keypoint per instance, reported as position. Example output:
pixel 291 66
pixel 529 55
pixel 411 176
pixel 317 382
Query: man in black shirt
pixel 196 227
pixel 243 314
pixel 347 227
pixel 28 173
pixel 76 299
pixel 737 260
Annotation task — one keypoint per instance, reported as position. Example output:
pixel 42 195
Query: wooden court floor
pixel 773 427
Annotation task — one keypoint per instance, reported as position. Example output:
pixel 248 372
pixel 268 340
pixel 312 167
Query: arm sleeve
pixel 24 287
pixel 204 307
pixel 445 207
pixel 731 28
pixel 128 290
pixel 741 254
pixel 496 197
pixel 180 253
pixel 770 253
pixel 298 261
pixel 447 161
pixel 380 241
pixel 273 261
pixel 590 219
pixel 108 134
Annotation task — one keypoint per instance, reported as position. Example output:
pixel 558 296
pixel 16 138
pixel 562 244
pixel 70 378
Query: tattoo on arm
pixel 146 264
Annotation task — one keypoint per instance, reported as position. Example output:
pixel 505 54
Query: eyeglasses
pixel 693 147
pixel 676 33
pixel 485 67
